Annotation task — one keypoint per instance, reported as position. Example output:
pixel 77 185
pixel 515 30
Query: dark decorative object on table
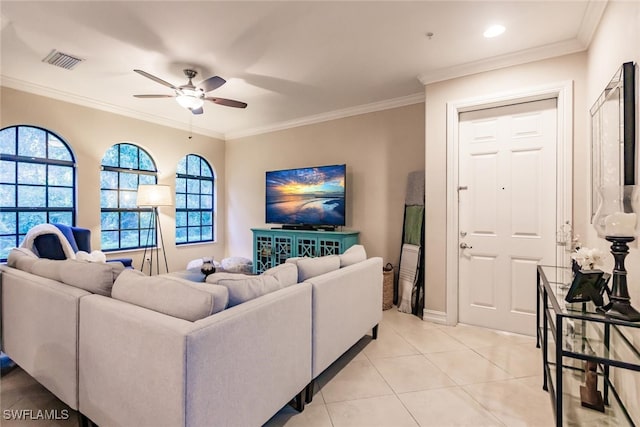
pixel 207 268
pixel 587 285
pixel 575 267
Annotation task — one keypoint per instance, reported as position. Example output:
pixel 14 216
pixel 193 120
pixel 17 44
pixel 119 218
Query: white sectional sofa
pixel 346 304
pixel 129 359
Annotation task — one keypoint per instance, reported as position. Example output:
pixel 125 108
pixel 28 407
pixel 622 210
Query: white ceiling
pixel 293 62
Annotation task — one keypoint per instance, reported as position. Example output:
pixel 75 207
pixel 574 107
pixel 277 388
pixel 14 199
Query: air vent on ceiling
pixel 62 60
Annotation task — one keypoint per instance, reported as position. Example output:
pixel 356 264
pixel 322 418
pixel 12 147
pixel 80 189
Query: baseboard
pixel 434 316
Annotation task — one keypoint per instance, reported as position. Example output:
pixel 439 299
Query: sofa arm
pixel 40 329
pixel 347 303
pixel 237 367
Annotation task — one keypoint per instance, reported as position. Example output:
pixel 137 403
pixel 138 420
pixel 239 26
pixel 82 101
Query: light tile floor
pixel 415 374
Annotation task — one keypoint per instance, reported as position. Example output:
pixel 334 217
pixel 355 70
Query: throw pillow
pixel 215 278
pixel 22 259
pixel 94 277
pixel 353 255
pixel 48 268
pixel 165 295
pixel 285 274
pixel 237 265
pixel 311 267
pixel 244 288
pixel 220 293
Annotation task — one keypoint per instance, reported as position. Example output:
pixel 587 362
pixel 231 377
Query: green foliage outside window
pixel 194 200
pixel 123 224
pixel 37 183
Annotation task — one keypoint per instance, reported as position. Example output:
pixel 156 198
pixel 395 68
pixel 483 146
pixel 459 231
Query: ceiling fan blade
pixel 197 110
pixel 154 96
pixel 211 83
pixel 155 79
pixel 228 102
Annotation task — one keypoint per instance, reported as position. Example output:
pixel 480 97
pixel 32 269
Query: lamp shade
pixel 154 195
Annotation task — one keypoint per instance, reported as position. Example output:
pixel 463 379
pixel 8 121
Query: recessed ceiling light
pixel 494 31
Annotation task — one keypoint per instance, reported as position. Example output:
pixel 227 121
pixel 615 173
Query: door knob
pixel 464 245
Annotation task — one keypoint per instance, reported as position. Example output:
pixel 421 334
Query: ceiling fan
pixel 192 96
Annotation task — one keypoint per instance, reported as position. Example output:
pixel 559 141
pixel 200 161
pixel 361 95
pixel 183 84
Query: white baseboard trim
pixel 434 316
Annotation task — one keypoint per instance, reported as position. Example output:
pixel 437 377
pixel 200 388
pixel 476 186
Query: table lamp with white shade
pixel 617 221
pixel 154 195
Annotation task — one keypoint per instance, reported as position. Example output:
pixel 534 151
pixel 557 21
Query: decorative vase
pixel 617 212
pixel 616 220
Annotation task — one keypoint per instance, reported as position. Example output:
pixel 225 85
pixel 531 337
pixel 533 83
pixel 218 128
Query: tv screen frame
pixel 308 196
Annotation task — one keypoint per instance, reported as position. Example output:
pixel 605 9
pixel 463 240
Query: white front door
pixel 507 211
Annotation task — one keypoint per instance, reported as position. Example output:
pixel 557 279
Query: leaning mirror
pixel 613 134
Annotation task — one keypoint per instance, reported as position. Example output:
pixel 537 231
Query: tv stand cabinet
pixel 272 246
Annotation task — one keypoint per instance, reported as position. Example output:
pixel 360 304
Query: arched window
pixel 37 183
pixel 123 224
pixel 194 200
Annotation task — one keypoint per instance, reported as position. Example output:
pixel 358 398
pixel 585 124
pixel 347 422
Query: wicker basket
pixel 387 286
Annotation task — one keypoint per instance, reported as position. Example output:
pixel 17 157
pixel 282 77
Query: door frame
pixel 563 93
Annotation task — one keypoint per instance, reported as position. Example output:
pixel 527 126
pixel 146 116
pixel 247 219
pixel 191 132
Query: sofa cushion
pixel 285 274
pixel 220 293
pixel 48 268
pixel 311 267
pixel 94 277
pixel 353 255
pixel 216 277
pixel 244 288
pixel 22 259
pixel 166 295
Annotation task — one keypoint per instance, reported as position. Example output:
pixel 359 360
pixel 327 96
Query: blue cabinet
pixel 272 246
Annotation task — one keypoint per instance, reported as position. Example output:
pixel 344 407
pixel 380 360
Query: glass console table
pixel 572 334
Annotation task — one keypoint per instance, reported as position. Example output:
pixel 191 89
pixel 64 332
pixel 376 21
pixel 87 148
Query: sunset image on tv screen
pixel 313 196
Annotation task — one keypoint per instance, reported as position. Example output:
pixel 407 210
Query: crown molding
pixel 323 117
pixel 503 61
pixel 92 103
pixel 591 20
pixel 416 98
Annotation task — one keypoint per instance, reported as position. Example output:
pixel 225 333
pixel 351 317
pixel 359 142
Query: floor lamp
pixel 154 195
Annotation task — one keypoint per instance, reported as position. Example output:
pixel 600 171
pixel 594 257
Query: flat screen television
pixel 313 196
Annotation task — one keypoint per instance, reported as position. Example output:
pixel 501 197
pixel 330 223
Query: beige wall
pixel 91 132
pixel 499 82
pixel 379 149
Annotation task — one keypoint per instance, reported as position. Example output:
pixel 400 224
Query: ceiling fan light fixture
pixel 190 99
